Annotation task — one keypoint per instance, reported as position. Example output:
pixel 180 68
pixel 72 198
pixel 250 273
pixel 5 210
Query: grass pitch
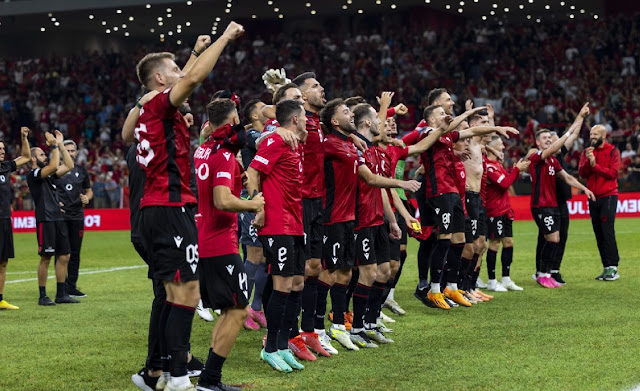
pixel 583 336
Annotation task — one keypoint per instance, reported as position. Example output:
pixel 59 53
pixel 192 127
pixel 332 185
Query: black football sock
pixel 250 269
pixel 355 275
pixel 338 302
pixel 321 305
pixel 403 258
pixel 438 255
pixel 60 289
pixel 43 291
pixel 292 315
pixel 546 256
pixel 506 258
pixel 464 278
pixel 260 282
pixel 309 298
pixel 1 297
pixel 491 263
pixel 212 372
pixel 178 335
pixel 162 326
pixel 373 305
pixel 453 262
pixel 275 319
pixel 266 293
pixel 360 299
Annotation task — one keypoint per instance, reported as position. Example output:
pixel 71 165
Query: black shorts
pixel 284 254
pixel 468 236
pixel 474 206
pixel 223 282
pixel 482 222
pixel 500 227
pixel 547 219
pixel 427 214
pixel 372 245
pixel 339 246
pixel 170 237
pixel 449 213
pixel 6 240
pixel 53 238
pixel 313 227
pixel 248 234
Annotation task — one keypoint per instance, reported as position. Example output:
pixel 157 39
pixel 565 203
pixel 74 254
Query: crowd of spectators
pixel 534 75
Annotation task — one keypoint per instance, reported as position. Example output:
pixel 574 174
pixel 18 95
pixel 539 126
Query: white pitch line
pixel 112 269
pixel 35 271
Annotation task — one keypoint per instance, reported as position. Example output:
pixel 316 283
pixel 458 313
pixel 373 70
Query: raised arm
pixel 456 121
pixel 555 147
pixel 574 129
pixel 202 43
pixel 129 127
pixel 203 65
pixel 385 101
pixel 482 130
pixel 374 180
pixel 67 161
pixel 54 159
pixel 426 142
pixel 25 156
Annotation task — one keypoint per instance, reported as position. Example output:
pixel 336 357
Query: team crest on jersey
pixel 324 239
pixel 178 240
pixel 2 178
pixel 281 265
pixel 230 269
pixel 491 218
pixel 270 242
pixel 437 211
pixel 270 141
pixel 77 174
pixel 227 155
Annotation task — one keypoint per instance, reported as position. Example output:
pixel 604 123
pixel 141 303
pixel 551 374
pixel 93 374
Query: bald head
pixel 597 135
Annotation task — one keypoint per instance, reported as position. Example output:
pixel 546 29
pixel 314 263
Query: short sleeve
pixel 556 165
pixel 161 105
pixel 268 154
pixel 536 158
pixel 86 183
pixel 454 136
pixel 401 153
pixel 224 170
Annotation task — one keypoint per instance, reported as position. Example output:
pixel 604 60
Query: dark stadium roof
pixel 148 19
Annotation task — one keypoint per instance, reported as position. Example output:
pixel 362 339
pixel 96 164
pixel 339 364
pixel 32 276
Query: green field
pixel 583 336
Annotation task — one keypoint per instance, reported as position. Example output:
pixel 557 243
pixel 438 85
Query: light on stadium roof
pixel 495 5
pixel 148 5
pixel 159 18
pixel 448 6
pixel 160 23
pixel 152 30
pixel 276 9
pixel 531 1
pixel 43 29
pixel 547 6
pixel 521 6
pixel 460 10
pixel 189 2
pixel 228 5
pixel 49 14
pixel 349 1
pixel 104 23
pixel 360 11
pixel 492 13
pixel 528 16
pixel 217 19
pixel 169 15
pixel 130 18
pixel 161 35
pixel 91 16
pixel 573 7
pixel 393 6
pixel 538 20
pixel 118 11
pixel 108 31
pixel 562 3
pixel 115 28
pixel 188 24
pixel 506 9
pixel 484 17
pixel 380 2
pixel 280 16
pixel 126 33
pixel 170 33
pixel 462 3
pixel 313 12
pixel 582 11
pixel 169 10
pixel 571 16
pixel 227 10
pixel 124 26
pixel 270 2
pixel 308 5
pixel 179 42
pixel 57 24
pixel 427 1
pixel 53 19
pixel 253 16
pixel 344 7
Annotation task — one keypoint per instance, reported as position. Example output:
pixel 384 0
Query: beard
pixel 348 127
pixel 596 142
pixel 41 164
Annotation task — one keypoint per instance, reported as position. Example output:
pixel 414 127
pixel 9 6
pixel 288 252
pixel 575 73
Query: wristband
pixel 138 105
pixel 54 146
pixel 195 53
